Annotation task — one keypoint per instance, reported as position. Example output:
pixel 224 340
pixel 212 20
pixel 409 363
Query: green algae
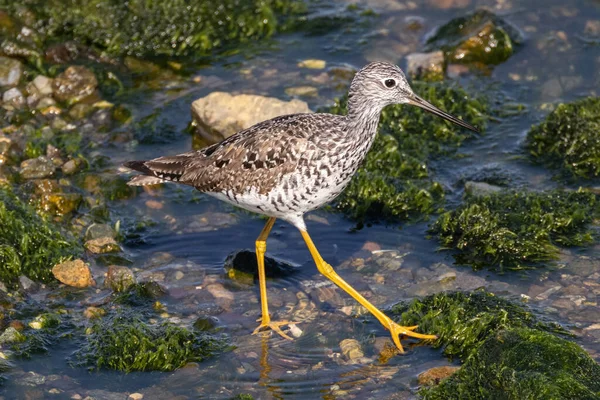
pixel 568 139
pixel 29 245
pixel 41 332
pixel 480 37
pixel 140 294
pixel 513 230
pixel 157 28
pixel 462 321
pixel 520 364
pixel 394 181
pixel 128 344
pixel 507 352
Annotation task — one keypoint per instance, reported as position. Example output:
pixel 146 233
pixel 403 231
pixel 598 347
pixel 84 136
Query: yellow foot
pixel 273 326
pixel 397 330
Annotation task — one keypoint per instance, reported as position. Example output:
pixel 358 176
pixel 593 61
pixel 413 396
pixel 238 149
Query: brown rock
pixel 74 273
pixel 74 84
pixel 94 312
pixel 119 278
pixel 435 375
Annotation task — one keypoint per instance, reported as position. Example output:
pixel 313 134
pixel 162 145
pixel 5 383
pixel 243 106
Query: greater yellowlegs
pixel 293 164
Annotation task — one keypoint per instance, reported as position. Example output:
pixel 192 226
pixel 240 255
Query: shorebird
pixel 289 165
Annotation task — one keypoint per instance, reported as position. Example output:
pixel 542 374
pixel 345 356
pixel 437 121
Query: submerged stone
pixel 102 245
pixel 426 66
pixel 477 38
pixel 220 115
pixel 119 278
pixel 568 139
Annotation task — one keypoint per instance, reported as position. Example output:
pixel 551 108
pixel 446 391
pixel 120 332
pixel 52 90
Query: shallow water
pixel 555 64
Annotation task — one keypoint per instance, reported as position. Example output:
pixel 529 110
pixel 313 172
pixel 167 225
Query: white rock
pixel 220 115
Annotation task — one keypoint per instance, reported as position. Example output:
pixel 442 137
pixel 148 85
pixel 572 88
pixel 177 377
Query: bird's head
pixel 379 84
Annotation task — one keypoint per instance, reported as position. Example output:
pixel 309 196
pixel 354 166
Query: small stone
pixel 80 111
pixel 312 64
pixel 94 312
pixel 72 166
pixel 136 396
pixel 45 105
pixel 96 231
pixel 119 278
pixel 74 84
pixel 302 91
pixel 43 85
pixel 14 97
pixel 435 375
pixel 426 66
pixel 74 273
pixel 351 349
pixel 27 284
pixel 37 168
pixel 11 71
pixel 60 203
pixel 205 323
pixel 592 27
pixel 295 331
pixel 481 188
pixel 154 204
pixel 102 245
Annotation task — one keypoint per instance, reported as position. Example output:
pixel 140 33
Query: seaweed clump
pixel 29 245
pixel 126 343
pixel 568 139
pixel 394 180
pixel 157 28
pixel 490 336
pixel 516 230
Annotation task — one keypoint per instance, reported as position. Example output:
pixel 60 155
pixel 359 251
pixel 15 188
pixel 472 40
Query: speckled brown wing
pixel 256 157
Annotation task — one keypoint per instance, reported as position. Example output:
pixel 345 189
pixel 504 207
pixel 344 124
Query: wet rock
pixel 27 284
pixel 74 84
pixel 302 91
pixel 96 231
pixel 557 87
pixel 426 66
pixel 72 166
pixel 351 349
pixel 102 245
pixel 11 335
pixel 60 203
pixel 48 106
pixel 205 323
pixel 223 297
pixel 37 168
pixel 244 262
pixel 9 150
pixel 435 375
pixel 13 97
pixel 42 85
pixel 80 111
pixel 119 278
pixel 11 71
pixel 312 64
pixel 479 38
pixel 94 312
pixel 74 273
pixel 592 28
pixel 220 115
pixel 481 188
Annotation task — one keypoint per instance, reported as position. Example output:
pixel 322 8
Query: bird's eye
pixel 390 83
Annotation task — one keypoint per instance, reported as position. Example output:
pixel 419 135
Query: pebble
pixel 37 168
pixel 429 66
pixel 351 349
pixel 94 312
pixel 136 396
pixel 119 278
pixel 74 273
pixel 302 91
pixel 102 245
pixel 74 84
pixel 14 97
pixel 96 231
pixel 312 64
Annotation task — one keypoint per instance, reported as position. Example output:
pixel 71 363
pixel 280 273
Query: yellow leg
pixel 261 248
pixel 395 329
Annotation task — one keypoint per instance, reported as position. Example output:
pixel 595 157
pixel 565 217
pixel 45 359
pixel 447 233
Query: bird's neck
pixel 362 120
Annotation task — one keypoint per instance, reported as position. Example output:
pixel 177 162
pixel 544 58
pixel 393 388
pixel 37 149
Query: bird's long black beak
pixel 427 106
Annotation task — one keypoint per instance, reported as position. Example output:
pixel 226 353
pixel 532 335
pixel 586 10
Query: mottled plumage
pixel 289 165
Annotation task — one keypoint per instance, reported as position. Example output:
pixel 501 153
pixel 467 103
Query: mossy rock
pixel 394 180
pixel 157 28
pixel 479 38
pixel 523 363
pixel 568 139
pixel 517 230
pixel 129 344
pixel 507 352
pixel 463 321
pixel 29 245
